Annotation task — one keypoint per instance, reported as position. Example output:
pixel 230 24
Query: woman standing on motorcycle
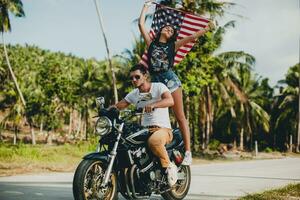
pixel 161 52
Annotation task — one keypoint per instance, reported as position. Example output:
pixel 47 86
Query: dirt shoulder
pixel 26 159
pixel 10 169
pixel 232 156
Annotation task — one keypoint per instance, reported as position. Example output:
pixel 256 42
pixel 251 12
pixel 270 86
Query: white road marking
pixel 13 192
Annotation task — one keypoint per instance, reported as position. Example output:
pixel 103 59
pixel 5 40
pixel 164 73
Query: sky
pixel 269 30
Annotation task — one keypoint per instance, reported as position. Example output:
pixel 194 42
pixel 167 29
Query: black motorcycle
pixel 123 163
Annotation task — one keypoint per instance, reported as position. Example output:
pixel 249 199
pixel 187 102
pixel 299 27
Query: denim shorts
pixel 169 78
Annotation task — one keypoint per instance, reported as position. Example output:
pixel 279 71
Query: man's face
pixel 137 78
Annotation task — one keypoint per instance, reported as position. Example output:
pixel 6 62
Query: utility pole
pixel 108 53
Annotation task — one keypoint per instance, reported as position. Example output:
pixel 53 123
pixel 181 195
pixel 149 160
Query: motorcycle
pixel 123 163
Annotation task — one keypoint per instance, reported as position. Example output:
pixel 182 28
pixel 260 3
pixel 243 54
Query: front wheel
pixel 182 186
pixel 87 180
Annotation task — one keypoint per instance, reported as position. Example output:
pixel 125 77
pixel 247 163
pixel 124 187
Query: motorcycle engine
pixel 148 173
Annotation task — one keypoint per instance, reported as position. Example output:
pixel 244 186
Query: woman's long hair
pixel 171 39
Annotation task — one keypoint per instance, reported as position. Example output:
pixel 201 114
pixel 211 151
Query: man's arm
pixel 166 101
pixel 121 104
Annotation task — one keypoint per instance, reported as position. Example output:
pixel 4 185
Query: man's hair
pixel 140 67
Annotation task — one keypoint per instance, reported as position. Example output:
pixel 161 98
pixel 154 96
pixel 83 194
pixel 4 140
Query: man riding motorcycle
pixel 154 98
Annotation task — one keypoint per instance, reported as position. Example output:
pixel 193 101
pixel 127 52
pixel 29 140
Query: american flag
pixel 185 23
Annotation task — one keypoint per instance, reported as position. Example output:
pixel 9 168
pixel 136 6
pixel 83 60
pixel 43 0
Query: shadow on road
pixel 63 191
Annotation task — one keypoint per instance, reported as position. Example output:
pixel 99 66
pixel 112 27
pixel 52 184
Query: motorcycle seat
pixel 177 140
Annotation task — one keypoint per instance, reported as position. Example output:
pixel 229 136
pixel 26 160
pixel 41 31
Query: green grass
pixel 25 158
pixel 289 192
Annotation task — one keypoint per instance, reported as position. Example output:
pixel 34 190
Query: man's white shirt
pixel 160 116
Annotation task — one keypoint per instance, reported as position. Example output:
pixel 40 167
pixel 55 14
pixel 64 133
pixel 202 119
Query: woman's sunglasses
pixel 136 77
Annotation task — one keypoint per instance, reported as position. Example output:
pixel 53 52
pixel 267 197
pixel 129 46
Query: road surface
pixel 210 181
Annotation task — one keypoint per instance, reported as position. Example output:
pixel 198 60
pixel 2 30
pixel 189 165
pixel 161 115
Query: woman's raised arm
pixel 142 27
pixel 191 38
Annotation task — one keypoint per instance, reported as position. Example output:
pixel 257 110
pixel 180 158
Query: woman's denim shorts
pixel 169 78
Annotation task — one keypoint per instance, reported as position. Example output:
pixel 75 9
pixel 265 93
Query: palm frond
pixel 262 115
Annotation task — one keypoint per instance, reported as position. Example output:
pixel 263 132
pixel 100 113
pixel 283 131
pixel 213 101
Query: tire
pixel 183 186
pixel 87 179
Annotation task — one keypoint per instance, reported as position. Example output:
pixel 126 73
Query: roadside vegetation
pixel 25 158
pixel 289 192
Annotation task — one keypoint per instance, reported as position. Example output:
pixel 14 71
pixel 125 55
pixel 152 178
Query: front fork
pixel 112 157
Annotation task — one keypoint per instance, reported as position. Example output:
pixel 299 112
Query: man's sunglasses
pixel 136 77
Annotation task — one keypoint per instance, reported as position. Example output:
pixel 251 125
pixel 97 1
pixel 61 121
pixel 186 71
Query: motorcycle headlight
pixel 103 126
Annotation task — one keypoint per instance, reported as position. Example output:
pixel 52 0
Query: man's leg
pixel 157 142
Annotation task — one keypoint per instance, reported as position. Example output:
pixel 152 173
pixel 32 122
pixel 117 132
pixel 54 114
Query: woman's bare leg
pixel 180 117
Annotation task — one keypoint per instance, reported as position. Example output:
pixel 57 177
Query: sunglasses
pixel 136 77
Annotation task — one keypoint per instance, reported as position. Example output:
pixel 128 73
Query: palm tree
pixel 298 137
pixel 134 56
pixel 225 77
pixel 201 73
pixel 15 117
pixel 231 78
pixel 212 7
pixel 16 8
pixel 108 54
pixel 249 94
pixel 90 84
pixel 288 101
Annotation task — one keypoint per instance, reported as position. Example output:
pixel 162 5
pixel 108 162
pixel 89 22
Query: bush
pixel 268 150
pixel 214 144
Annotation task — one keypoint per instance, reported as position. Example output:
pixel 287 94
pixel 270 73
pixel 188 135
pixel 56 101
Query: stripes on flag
pixel 185 23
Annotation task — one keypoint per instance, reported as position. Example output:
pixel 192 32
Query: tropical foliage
pixel 59 89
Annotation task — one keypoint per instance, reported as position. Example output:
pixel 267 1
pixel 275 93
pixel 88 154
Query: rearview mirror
pixel 100 101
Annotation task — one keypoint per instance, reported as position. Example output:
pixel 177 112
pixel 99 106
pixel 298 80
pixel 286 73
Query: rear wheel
pixel 87 180
pixel 182 186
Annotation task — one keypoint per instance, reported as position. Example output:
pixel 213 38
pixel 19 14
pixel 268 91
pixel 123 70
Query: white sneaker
pixel 187 158
pixel 172 174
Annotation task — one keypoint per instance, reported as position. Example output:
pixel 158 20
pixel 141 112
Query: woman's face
pixel 167 31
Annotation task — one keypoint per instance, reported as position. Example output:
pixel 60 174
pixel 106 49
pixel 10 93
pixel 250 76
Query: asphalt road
pixel 209 181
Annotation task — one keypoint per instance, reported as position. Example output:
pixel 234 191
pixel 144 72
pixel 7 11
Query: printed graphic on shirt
pixel 143 100
pixel 159 58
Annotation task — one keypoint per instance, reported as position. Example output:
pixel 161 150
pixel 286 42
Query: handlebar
pixel 137 111
pixel 142 110
pixel 113 113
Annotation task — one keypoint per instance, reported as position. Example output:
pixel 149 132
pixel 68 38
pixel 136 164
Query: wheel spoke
pixel 92 182
pixel 182 182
